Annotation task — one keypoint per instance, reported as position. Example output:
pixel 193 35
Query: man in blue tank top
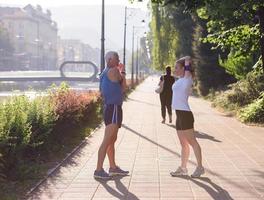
pixel 112 86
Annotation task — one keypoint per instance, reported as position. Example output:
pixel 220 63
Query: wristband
pixel 123 72
pixel 187 67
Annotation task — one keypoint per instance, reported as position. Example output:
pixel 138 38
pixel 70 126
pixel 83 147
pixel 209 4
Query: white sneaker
pixel 198 172
pixel 180 172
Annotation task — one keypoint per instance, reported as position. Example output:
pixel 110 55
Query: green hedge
pixel 253 112
pixel 24 124
pixel 30 127
pixel 245 98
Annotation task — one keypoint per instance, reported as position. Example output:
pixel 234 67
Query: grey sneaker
pixel 101 175
pixel 117 171
pixel 198 172
pixel 180 172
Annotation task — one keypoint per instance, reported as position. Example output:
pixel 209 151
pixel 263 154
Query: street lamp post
pixel 37 41
pixel 137 63
pixel 132 68
pixel 125 25
pixel 102 38
pixel 124 53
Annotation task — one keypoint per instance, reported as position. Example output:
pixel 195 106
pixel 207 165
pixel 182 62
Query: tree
pixel 225 35
pixel 230 29
pixel 208 72
pixel 171 32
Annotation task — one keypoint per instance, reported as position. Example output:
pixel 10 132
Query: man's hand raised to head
pixel 122 71
pixel 117 73
pixel 121 67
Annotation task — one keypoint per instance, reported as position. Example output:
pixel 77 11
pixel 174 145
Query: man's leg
pixel 110 135
pixel 111 149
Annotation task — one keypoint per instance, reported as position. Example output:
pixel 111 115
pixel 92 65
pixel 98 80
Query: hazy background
pixel 79 19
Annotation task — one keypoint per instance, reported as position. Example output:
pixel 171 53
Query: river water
pixel 8 89
pixel 33 93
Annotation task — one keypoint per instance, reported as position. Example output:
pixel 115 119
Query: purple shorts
pixel 113 114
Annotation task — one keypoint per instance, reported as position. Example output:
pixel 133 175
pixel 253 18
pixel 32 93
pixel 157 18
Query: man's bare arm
pixel 116 76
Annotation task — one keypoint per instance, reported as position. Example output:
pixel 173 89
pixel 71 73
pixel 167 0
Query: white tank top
pixel 181 90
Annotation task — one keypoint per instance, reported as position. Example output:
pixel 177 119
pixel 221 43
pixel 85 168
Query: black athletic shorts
pixel 184 120
pixel 113 114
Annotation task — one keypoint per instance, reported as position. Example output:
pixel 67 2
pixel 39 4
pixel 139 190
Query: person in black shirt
pixel 166 94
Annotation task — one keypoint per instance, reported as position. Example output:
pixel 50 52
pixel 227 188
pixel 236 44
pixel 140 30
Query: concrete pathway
pixel 233 155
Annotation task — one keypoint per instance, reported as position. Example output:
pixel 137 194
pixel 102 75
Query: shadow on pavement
pixel 259 173
pixel 121 192
pixel 202 135
pixel 257 184
pixel 151 141
pixel 199 134
pixel 57 176
pixel 136 100
pixel 214 190
pixel 227 179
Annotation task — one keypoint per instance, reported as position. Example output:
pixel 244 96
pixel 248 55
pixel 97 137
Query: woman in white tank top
pixel 184 122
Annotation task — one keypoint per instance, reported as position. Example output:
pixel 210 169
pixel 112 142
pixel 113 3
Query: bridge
pixel 59 75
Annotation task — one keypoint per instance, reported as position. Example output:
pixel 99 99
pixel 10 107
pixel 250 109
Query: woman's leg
pixel 163 108
pixel 195 145
pixel 168 105
pixel 185 149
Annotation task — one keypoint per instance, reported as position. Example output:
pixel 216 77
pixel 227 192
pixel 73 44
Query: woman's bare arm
pixel 187 62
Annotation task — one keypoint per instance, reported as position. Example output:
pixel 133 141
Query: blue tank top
pixel 111 91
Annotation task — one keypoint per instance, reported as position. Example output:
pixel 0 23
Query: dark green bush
pixel 244 91
pixel 246 97
pixel 237 65
pixel 254 112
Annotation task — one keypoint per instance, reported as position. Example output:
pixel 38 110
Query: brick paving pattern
pixel 232 155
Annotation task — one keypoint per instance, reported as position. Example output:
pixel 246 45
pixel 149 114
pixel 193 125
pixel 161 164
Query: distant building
pixel 76 50
pixel 33 36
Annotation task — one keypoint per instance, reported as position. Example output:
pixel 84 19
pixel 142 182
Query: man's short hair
pixel 109 55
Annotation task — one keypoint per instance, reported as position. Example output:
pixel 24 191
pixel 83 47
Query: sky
pixel 81 19
pixel 55 3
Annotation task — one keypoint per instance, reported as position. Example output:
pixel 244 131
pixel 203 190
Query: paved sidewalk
pixel 232 154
